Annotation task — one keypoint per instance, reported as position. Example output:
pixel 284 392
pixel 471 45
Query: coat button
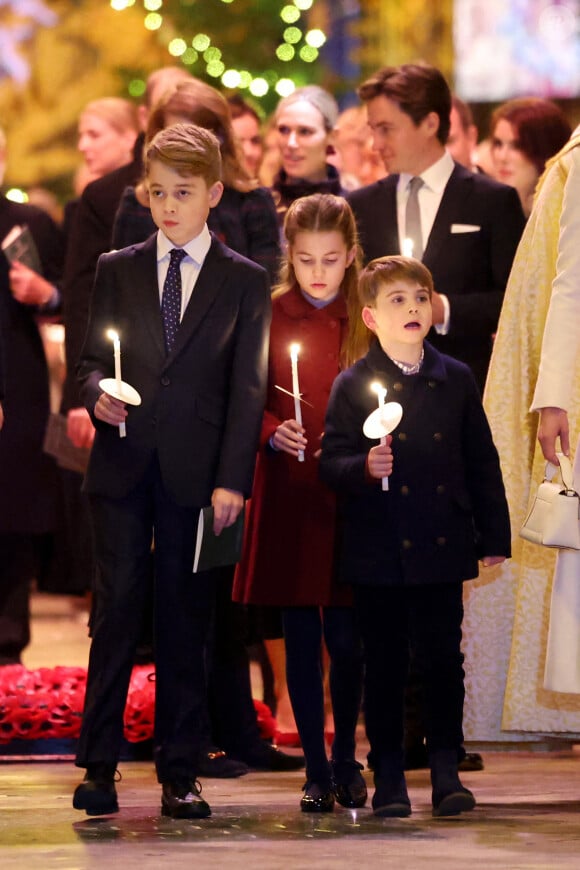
pixel 402 436
pixel 441 541
pixel 437 436
pixel 397 386
pixel 406 544
pixel 404 490
pixel 165 381
pixel 431 383
pixel 440 489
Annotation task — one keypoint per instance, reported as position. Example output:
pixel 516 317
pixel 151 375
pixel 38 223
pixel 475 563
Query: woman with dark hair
pixel 525 133
pixel 245 217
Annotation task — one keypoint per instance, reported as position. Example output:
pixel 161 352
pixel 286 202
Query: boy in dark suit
pixel 408 550
pixel 193 319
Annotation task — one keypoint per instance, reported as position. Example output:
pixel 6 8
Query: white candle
pixel 114 336
pixel 407 247
pixel 382 395
pixel 294 349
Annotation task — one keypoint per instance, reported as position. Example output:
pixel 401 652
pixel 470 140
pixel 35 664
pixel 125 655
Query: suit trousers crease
pixel 392 619
pixel 183 604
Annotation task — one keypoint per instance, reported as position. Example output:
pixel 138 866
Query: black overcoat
pixel 446 506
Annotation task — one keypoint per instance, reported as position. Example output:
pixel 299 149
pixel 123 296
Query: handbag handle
pixel 565 469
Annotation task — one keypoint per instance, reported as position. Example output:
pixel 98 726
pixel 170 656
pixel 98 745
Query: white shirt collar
pixel 435 177
pixel 196 248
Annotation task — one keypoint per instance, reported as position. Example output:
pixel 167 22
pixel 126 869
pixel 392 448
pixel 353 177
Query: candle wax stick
pixel 114 336
pixel 296 392
pixel 382 395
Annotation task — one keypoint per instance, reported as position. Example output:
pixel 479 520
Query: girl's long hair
pixel 324 212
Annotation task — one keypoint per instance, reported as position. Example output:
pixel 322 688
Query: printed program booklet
pixel 19 245
pixel 216 551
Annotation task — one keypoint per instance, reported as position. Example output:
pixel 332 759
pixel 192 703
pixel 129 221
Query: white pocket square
pixel 465 228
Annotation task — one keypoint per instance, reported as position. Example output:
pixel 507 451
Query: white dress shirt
pixel 190 265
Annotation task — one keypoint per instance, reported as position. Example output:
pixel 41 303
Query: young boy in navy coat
pixel 406 551
pixel 193 319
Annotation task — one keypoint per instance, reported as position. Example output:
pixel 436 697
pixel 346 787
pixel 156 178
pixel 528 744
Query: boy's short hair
pixel 188 149
pixel 388 270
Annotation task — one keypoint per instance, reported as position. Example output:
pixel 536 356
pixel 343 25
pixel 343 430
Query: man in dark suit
pixel 470 224
pixel 193 317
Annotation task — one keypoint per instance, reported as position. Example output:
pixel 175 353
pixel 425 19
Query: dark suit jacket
pixel 446 505
pixel 202 405
pixel 91 231
pixel 471 268
pixel 27 475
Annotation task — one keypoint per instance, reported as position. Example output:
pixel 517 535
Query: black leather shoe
pixel 317 798
pixel 263 756
pixel 348 784
pixel 471 761
pixel 391 801
pixel 96 794
pixel 182 800
pixel 214 763
pixel 452 803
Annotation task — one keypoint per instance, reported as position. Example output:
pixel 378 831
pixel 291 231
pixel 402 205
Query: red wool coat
pixel 290 528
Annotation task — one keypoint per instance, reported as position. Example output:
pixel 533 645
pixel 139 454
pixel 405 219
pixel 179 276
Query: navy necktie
pixel 171 298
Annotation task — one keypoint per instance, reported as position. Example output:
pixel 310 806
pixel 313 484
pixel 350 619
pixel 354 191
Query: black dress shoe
pixel 215 763
pixel 452 803
pixel 348 784
pixel 96 794
pixel 471 761
pixel 263 756
pixel 317 798
pixel 182 800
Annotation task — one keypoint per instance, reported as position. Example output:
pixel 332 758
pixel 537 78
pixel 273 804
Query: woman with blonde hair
pixel 107 132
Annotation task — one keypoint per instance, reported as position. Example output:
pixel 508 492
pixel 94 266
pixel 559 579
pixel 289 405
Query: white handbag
pixel 554 516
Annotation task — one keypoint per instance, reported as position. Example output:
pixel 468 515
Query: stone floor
pixel 528 812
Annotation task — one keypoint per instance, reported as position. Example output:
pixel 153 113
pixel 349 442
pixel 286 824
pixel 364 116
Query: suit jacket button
pixel 165 381
pixel 406 544
pixel 441 541
pixel 402 436
pixel 397 386
pixel 437 436
pixel 431 383
pixel 404 490
pixel 440 489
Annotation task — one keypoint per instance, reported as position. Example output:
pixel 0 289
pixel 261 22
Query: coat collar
pixel 206 291
pixel 296 307
pixel 433 367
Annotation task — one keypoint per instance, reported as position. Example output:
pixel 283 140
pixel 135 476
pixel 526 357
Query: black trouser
pixel 18 564
pixel 391 620
pixel 183 612
pixel 304 628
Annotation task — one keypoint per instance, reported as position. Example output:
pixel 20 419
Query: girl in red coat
pixel 290 537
